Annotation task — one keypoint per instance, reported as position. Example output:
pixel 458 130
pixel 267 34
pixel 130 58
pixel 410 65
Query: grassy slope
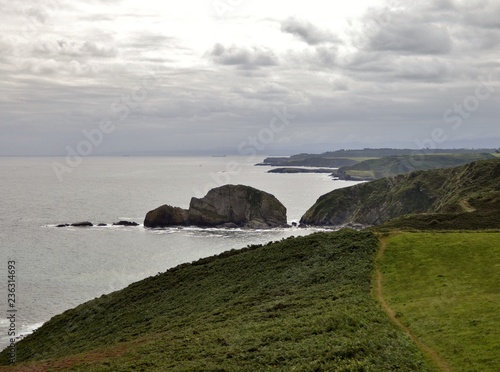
pixel 472 187
pixel 445 287
pixel 301 303
pixel 394 165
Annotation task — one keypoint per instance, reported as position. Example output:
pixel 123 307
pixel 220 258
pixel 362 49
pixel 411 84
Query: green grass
pixel 364 174
pixel 301 304
pixel 446 288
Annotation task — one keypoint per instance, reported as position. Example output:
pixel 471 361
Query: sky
pixel 114 77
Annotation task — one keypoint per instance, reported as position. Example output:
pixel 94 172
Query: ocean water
pixel 60 268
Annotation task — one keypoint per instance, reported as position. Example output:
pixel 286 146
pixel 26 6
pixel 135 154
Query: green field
pixel 446 288
pixel 301 304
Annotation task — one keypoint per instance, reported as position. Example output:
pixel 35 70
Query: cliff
pixel 473 188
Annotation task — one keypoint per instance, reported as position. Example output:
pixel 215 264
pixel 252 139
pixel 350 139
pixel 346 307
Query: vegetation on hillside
pixel 344 158
pixel 372 169
pixel 473 188
pixel 445 288
pixel 300 304
pixel 477 220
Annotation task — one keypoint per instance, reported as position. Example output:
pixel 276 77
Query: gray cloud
pixel 247 58
pixel 387 82
pixel 482 13
pixel 36 14
pixel 422 70
pixel 327 56
pixel 307 32
pixel 148 40
pixel 63 47
pixel 406 35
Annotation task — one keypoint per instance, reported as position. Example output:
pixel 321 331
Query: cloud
pixel 482 13
pixel 386 77
pixel 403 34
pixel 422 69
pixel 64 47
pixel 481 39
pixel 247 58
pixel 148 40
pixel 307 32
pixel 35 14
pixel 267 91
pixel 327 56
pixel 6 47
pixel 92 49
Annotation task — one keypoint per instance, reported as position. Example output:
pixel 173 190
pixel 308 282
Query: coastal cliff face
pixel 229 205
pixel 474 187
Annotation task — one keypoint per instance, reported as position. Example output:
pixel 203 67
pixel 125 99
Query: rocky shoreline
pixel 90 224
pixel 301 170
pixel 228 206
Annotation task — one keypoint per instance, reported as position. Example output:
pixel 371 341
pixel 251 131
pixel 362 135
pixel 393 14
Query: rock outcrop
pixel 90 224
pixel 225 206
pixel 82 224
pixel 238 204
pixel 125 223
pixel 166 215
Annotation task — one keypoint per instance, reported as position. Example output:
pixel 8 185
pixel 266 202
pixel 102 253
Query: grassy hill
pixel 472 190
pixel 305 304
pixel 372 169
pixel 300 304
pixel 444 287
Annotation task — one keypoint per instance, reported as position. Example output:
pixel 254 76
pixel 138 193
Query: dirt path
pixel 466 206
pixel 440 362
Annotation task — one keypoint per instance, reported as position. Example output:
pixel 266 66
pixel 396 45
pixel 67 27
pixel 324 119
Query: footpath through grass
pixel 445 287
pixel 301 304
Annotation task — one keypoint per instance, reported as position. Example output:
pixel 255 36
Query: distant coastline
pixel 372 164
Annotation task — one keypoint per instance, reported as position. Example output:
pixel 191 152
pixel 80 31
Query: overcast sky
pixel 227 76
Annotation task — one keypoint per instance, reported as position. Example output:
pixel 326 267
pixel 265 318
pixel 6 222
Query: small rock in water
pixel 63 225
pixel 228 225
pixel 82 224
pixel 125 223
pixel 102 224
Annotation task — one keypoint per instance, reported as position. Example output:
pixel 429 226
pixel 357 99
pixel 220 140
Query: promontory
pixel 465 197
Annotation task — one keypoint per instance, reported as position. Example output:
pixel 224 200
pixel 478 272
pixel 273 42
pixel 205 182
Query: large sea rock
pixel 229 205
pixel 166 215
pixel 238 204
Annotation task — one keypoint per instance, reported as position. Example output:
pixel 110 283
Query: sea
pixel 56 269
